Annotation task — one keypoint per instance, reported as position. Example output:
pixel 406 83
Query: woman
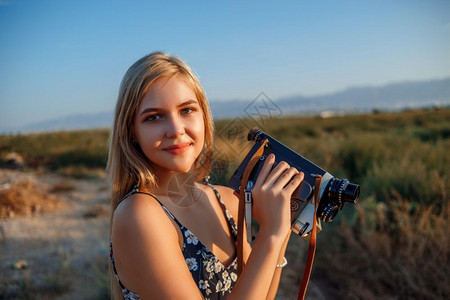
pixel 173 237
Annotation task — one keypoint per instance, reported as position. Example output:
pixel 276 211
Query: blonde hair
pixel 127 165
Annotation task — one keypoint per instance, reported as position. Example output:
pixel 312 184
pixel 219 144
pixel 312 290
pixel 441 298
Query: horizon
pixel 227 110
pixel 323 115
pixel 61 59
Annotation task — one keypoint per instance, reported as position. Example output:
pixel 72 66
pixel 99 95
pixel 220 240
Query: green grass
pixel 76 154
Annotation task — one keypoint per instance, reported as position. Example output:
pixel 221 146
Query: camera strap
pixel 241 212
pixel 248 210
pixel 312 242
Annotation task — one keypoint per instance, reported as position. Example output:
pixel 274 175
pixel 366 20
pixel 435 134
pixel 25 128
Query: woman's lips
pixel 178 149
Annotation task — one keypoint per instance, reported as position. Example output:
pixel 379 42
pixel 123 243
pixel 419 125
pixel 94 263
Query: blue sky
pixel 59 58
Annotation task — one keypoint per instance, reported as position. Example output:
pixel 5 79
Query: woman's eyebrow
pixel 192 101
pixel 153 109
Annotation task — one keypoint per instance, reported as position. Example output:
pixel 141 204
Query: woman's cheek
pixel 198 127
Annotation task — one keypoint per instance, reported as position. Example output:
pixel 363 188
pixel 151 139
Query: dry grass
pixel 26 197
pixel 402 250
pixel 63 187
pixel 82 172
pixel 95 211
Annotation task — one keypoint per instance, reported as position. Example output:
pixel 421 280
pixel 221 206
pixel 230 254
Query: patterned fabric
pixel 214 279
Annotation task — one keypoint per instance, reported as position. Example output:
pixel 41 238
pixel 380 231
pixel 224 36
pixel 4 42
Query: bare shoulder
pixel 143 236
pixel 140 218
pixel 138 211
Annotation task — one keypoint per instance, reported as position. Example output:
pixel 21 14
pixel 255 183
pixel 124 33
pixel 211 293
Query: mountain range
pixel 390 97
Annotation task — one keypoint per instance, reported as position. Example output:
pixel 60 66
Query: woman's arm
pixel 277 275
pixel 147 252
pixel 231 199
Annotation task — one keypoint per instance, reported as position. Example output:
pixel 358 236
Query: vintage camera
pixel 333 192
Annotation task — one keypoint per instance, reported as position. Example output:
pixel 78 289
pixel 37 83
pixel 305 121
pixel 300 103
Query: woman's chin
pixel 182 170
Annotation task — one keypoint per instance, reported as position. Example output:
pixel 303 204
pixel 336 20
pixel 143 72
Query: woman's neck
pixel 180 189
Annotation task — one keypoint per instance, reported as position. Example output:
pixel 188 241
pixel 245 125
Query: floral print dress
pixel 214 279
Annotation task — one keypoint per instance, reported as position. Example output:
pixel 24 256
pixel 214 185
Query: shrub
pixel 401 250
pixel 26 197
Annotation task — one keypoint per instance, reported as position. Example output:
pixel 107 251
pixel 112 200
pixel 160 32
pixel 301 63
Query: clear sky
pixel 59 58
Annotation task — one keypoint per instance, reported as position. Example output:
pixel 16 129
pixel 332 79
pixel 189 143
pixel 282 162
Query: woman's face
pixel 169 125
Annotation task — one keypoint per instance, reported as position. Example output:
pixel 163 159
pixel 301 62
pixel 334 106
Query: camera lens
pixel 253 134
pixel 337 192
pixel 351 193
pixel 328 212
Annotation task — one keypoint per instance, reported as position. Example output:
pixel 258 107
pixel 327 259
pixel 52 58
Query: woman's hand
pixel 272 193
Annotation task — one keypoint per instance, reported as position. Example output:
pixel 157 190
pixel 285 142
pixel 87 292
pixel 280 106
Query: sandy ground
pixel 65 252
pixel 63 255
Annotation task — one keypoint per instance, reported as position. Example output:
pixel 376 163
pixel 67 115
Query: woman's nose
pixel 175 127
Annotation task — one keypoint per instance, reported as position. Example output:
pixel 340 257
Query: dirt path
pixel 63 254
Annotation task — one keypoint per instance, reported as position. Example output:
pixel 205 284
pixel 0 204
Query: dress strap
pixel 229 217
pixel 136 191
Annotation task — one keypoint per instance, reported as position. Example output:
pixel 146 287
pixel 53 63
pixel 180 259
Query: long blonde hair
pixel 127 165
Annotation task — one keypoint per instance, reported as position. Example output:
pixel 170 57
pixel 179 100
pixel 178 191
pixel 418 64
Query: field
pixel 394 244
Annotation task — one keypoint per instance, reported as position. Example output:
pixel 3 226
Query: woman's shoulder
pixel 139 211
pixel 142 237
pixel 135 203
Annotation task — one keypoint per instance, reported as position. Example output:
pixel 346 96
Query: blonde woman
pixel 172 236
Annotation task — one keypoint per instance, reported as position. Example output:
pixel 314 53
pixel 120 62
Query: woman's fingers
pixel 294 183
pixel 265 170
pixel 278 177
pixel 284 178
pixel 273 174
pixel 277 173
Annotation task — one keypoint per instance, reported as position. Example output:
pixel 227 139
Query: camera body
pixel 333 192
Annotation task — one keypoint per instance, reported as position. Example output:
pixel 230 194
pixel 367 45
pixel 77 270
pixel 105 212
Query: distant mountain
pixel 72 122
pixel 391 97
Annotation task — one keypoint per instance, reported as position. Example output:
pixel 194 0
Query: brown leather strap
pixel 312 242
pixel 240 242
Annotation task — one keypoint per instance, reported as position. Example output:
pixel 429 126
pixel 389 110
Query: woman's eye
pixel 187 110
pixel 153 117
